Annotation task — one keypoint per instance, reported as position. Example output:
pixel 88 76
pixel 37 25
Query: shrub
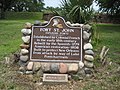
pixel 78 11
pixel 23 15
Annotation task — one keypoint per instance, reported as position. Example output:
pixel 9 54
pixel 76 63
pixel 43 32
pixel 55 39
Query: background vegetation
pixel 77 11
pixel 20 6
pixel 23 15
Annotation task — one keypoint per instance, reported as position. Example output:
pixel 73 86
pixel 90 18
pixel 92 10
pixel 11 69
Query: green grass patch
pixel 10 36
pixel 109 36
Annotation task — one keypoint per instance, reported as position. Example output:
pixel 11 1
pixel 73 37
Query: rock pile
pixel 88 49
pixel 76 69
pixel 24 53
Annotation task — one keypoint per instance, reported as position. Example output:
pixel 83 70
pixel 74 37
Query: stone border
pixel 83 68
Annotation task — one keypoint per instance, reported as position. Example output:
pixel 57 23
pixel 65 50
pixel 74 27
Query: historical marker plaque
pixel 56 42
pixel 55 78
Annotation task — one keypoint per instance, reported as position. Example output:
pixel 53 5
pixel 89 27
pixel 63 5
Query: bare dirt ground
pixel 104 78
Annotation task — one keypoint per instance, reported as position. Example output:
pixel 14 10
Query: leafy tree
pixel 77 11
pixel 5 5
pixel 20 5
pixel 28 5
pixel 54 10
pixel 110 6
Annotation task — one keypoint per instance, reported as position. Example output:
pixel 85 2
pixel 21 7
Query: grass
pixel 10 39
pixel 10 36
pixel 108 76
pixel 110 37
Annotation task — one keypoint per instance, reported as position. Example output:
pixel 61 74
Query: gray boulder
pixel 89 52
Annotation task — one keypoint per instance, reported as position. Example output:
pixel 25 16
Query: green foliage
pixel 20 6
pixel 56 11
pixel 27 5
pixel 6 4
pixel 77 11
pixel 95 35
pixel 109 36
pixel 110 6
pixel 24 15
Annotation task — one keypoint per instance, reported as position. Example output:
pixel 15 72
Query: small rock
pixel 54 67
pixel 22 63
pixel 81 64
pixel 24 58
pixel 63 68
pixel 45 23
pixel 81 25
pixel 110 63
pixel 88 64
pixel 75 25
pixel 88 71
pixel 88 75
pixel 37 23
pixel 86 27
pixel 89 52
pixel 88 46
pixel 30 66
pixel 81 73
pixel 89 57
pixel 36 66
pixel 26 39
pixel 24 51
pixel 86 35
pixel 20 72
pixel 45 67
pixel 24 46
pixel 22 69
pixel 39 73
pixel 69 77
pixel 39 84
pixel 26 31
pixel 68 23
pixel 72 68
pixel 29 72
pixel 90 41
pixel 28 25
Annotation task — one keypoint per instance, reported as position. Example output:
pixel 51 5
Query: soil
pixel 9 74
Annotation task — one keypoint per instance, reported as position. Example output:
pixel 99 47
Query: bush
pixel 23 15
pixel 77 11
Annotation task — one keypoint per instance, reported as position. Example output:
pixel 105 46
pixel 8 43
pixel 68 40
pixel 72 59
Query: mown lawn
pixel 10 39
pixel 110 36
pixel 10 36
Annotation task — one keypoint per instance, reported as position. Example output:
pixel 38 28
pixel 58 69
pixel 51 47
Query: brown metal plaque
pixel 56 42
